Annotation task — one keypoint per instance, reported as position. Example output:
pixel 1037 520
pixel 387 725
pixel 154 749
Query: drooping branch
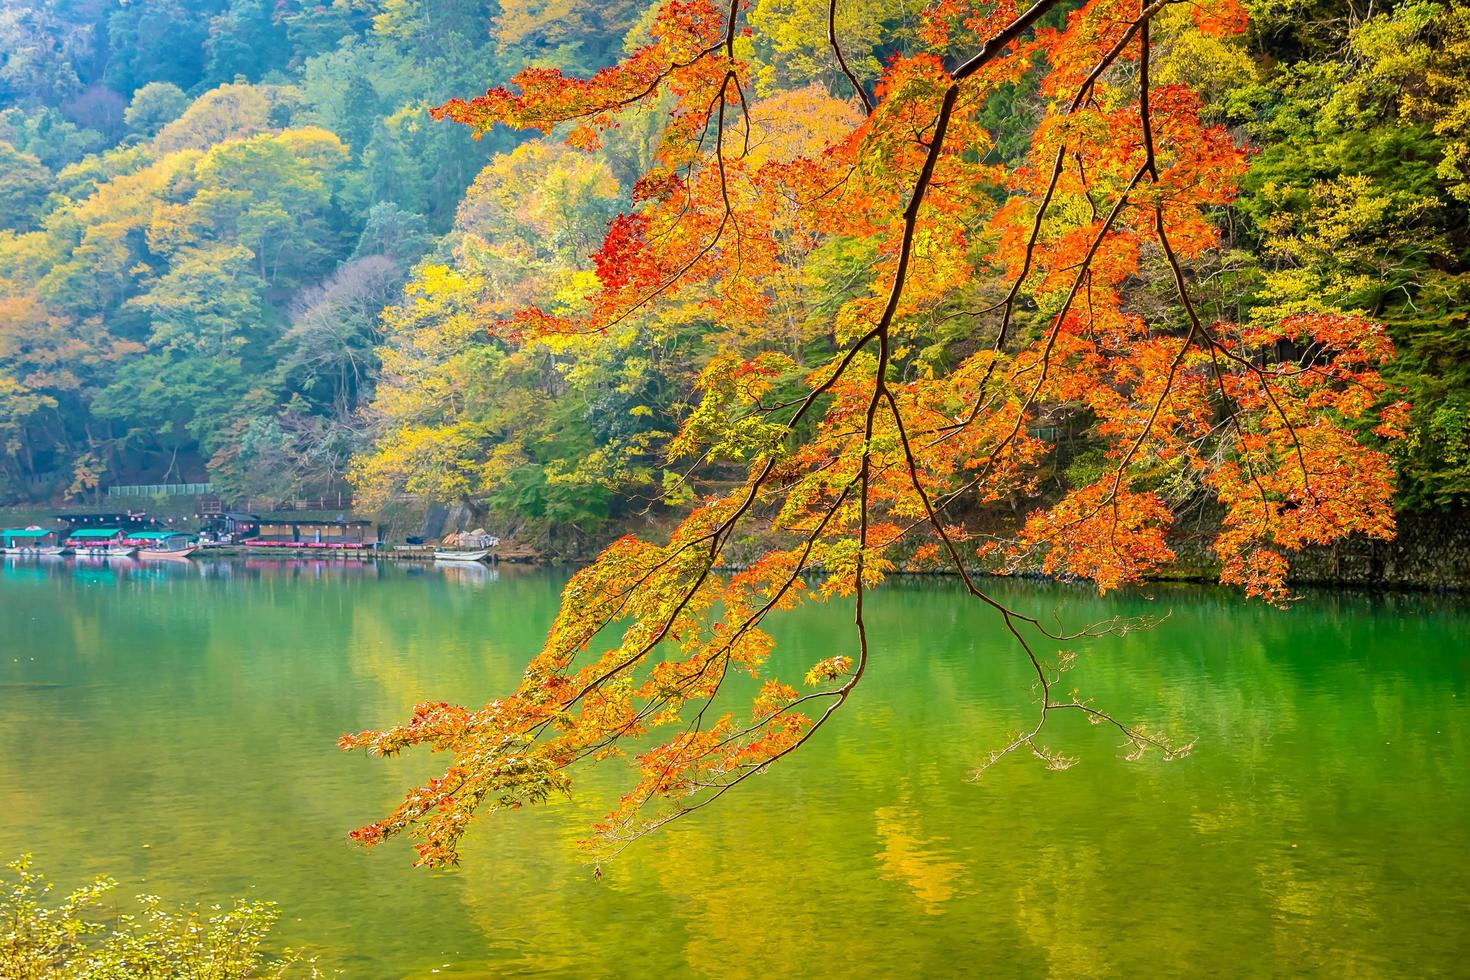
pixel 875 446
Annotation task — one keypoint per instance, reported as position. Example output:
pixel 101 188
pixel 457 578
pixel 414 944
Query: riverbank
pixel 1430 553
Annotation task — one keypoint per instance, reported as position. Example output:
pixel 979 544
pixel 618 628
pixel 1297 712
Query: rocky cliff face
pixel 1432 551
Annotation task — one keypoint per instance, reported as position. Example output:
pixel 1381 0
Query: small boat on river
pixel 100 542
pixel 31 541
pixel 445 555
pixel 163 544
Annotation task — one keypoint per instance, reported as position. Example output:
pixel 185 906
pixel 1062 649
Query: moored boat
pixel 163 544
pixel 443 555
pixel 100 542
pixel 31 541
pixel 167 552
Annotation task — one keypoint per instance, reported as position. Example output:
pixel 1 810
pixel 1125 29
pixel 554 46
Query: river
pixel 175 727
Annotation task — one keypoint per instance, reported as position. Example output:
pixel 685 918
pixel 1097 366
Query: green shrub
pixel 73 940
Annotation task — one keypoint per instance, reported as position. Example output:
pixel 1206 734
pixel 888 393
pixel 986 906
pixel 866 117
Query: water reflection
pixel 131 567
pixel 467 572
pixel 921 861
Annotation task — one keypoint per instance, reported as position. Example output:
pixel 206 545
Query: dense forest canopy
pixel 235 245
pixel 205 208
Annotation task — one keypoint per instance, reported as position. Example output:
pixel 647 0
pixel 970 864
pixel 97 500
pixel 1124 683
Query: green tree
pixel 273 194
pixel 390 230
pixel 39 50
pixel 231 111
pixel 207 303
pixel 24 184
pixel 157 41
pixel 207 324
pixel 1352 204
pixel 47 135
pixel 247 40
pixel 154 106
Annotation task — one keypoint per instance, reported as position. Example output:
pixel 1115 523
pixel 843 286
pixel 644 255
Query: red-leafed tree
pixel 882 450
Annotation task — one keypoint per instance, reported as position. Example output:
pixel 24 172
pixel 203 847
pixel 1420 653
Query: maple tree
pixel 871 458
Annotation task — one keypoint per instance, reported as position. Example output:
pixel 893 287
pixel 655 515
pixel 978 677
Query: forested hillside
pixel 204 206
pixel 238 246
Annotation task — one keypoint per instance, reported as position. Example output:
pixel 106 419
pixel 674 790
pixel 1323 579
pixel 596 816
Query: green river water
pixel 175 727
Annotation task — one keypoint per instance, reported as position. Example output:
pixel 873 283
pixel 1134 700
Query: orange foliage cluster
pixel 879 445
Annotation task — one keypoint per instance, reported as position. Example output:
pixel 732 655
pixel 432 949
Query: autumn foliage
pixel 1067 289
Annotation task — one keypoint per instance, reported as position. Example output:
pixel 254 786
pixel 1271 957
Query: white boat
pixel 481 555
pixel 100 542
pixel 104 550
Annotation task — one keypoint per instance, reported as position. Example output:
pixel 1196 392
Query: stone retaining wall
pixel 1432 551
